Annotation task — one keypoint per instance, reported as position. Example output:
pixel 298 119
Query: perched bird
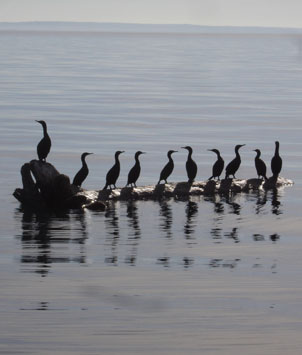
pixel 233 166
pixel 276 162
pixel 260 165
pixel 114 172
pixel 44 145
pixel 218 165
pixel 191 166
pixel 135 170
pixel 168 168
pixel 83 172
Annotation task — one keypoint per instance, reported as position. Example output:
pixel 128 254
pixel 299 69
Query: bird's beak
pixel 183 147
pixel 144 153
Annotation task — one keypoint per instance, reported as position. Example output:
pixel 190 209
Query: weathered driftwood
pixel 185 189
pixel 45 187
pixel 54 190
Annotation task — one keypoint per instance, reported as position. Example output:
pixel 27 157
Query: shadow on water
pixel 264 196
pixel 61 238
pixel 113 234
pixel 45 236
pixel 134 233
pixel 191 215
pixel 166 218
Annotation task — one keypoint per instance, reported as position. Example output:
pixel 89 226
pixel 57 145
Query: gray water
pixel 215 275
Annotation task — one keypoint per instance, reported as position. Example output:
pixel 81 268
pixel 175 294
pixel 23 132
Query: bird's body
pixel 43 147
pixel 218 165
pixel 260 165
pixel 233 166
pixel 276 162
pixel 135 170
pixel 83 172
pixel 191 166
pixel 114 172
pixel 168 168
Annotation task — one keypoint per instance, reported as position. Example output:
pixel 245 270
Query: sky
pixel 263 13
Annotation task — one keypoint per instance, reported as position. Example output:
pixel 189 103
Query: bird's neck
pixel 277 150
pixel 45 131
pixel 84 162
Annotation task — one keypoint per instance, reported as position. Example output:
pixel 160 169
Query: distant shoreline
pixel 141 28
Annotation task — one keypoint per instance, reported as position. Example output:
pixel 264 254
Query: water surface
pixel 206 275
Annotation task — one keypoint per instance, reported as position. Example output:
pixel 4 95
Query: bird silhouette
pixel 191 166
pixel 276 162
pixel 218 165
pixel 114 172
pixel 83 172
pixel 44 145
pixel 168 168
pixel 135 170
pixel 260 165
pixel 233 166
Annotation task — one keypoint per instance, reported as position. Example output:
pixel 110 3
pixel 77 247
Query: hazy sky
pixel 275 13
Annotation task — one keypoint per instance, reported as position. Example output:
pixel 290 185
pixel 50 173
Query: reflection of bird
pixel 190 165
pixel 276 163
pixel 44 145
pixel 218 165
pixel 135 170
pixel 83 172
pixel 114 172
pixel 233 166
pixel 260 165
pixel 168 168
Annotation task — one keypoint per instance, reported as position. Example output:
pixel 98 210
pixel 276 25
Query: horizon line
pixel 149 24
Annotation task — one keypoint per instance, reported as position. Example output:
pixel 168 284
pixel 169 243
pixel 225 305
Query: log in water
pixel 54 190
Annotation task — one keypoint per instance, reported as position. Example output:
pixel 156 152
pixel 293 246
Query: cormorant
pixel 135 170
pixel 233 166
pixel 44 145
pixel 260 165
pixel 190 165
pixel 218 165
pixel 276 163
pixel 114 172
pixel 83 172
pixel 168 168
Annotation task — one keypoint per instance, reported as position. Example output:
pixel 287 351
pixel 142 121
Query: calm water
pixel 208 275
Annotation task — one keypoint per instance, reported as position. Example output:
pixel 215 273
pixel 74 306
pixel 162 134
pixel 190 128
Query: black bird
pixel 276 163
pixel 233 166
pixel 83 172
pixel 190 165
pixel 260 165
pixel 218 165
pixel 135 170
pixel 114 172
pixel 168 168
pixel 44 145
